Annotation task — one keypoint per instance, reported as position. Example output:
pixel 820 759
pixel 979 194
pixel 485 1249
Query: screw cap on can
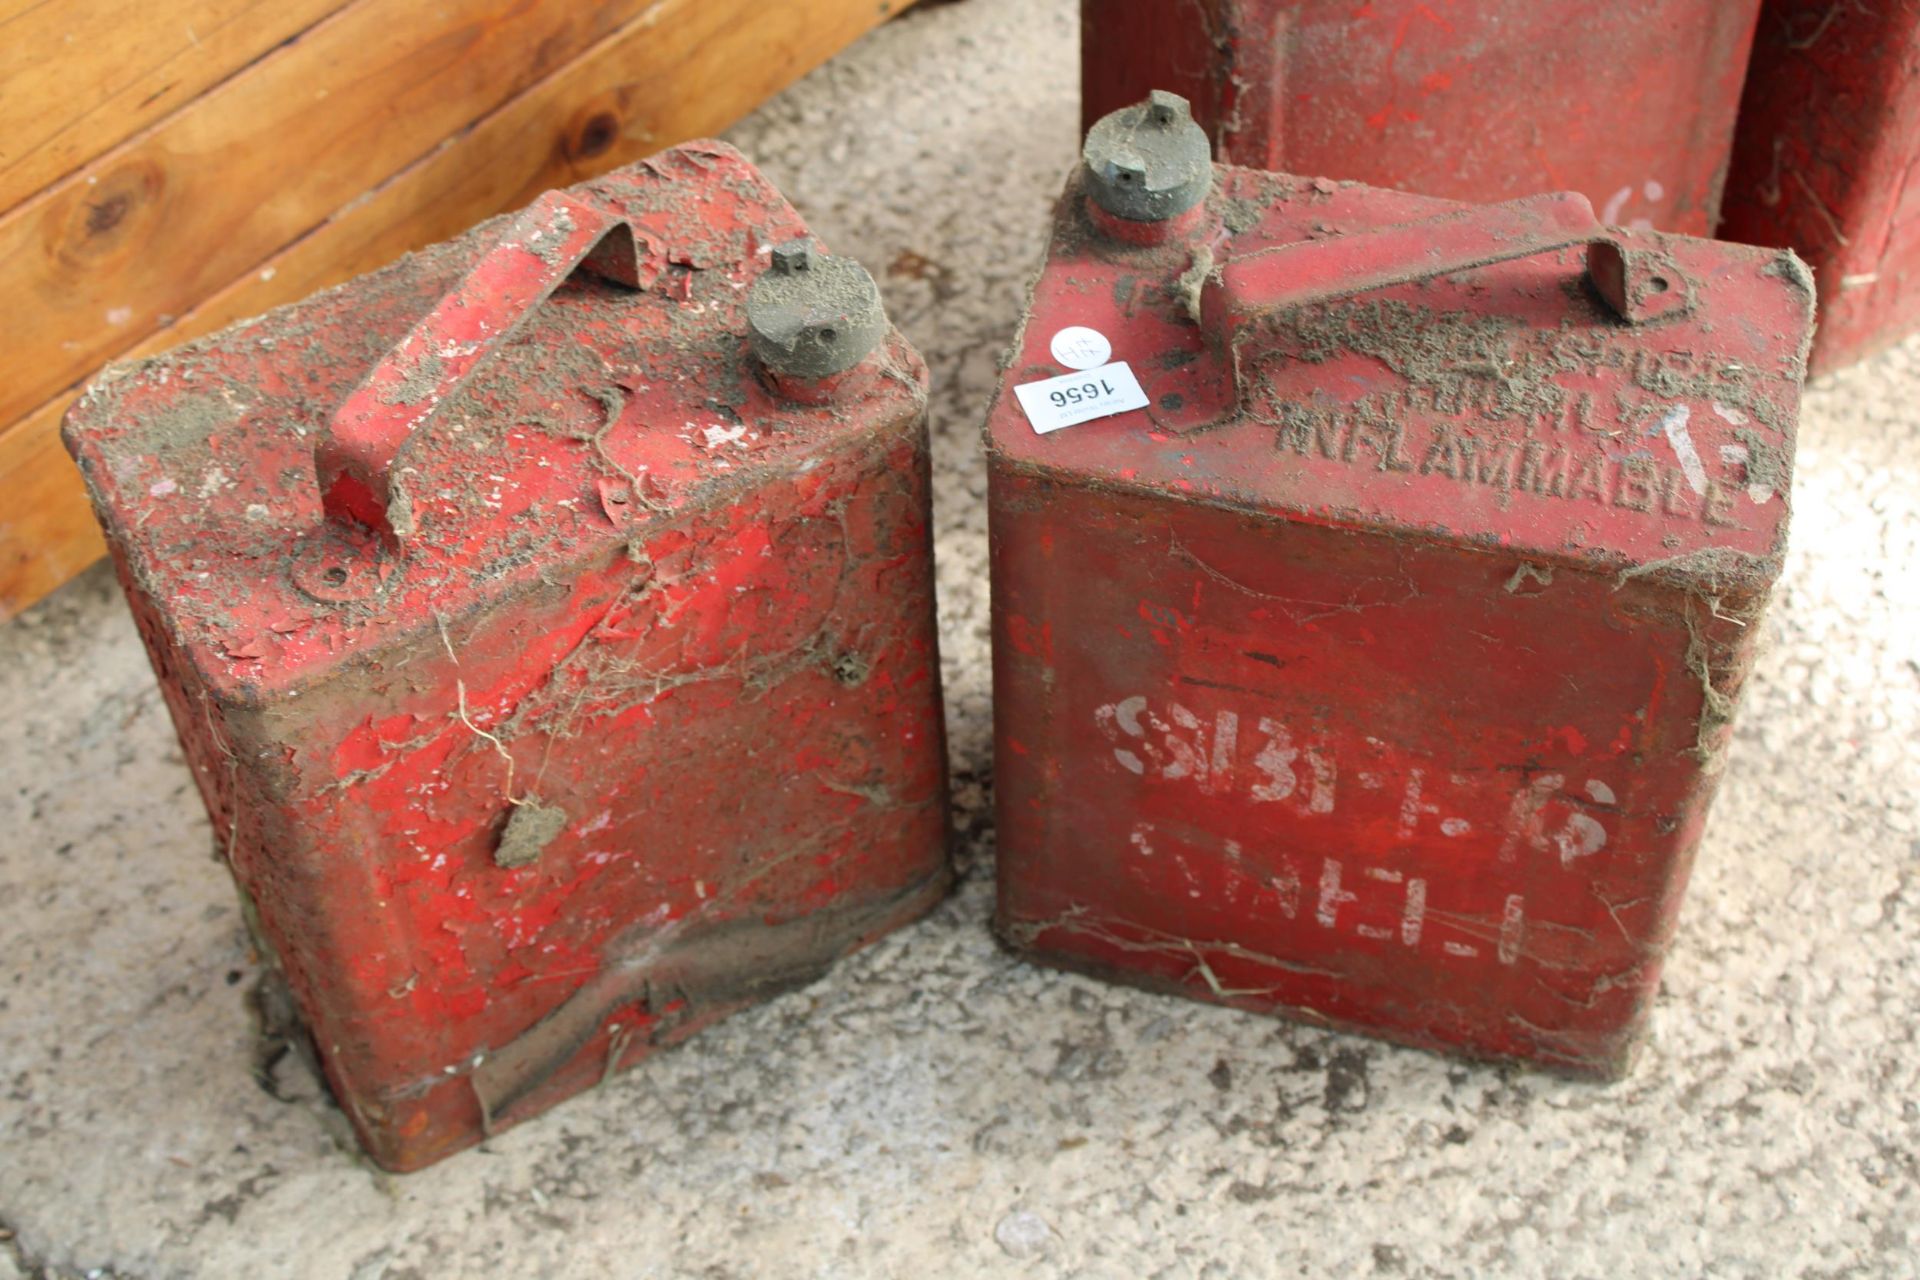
pixel 1149 162
pixel 812 316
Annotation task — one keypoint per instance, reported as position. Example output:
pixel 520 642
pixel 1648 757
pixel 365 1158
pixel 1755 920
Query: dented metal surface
pixel 1629 102
pixel 1823 163
pixel 1378 672
pixel 603 696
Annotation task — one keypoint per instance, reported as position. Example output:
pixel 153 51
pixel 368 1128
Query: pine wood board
pixel 77 79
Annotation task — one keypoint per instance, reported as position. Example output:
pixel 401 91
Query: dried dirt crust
pixel 933 1107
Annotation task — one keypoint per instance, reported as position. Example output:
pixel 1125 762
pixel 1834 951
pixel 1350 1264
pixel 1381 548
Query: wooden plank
pixel 47 530
pixel 112 253
pixel 651 84
pixel 78 79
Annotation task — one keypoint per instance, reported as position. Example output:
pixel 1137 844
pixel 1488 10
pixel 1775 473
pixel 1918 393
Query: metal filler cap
pixel 1149 162
pixel 812 316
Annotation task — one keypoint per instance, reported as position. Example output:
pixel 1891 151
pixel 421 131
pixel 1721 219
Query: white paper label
pixel 1078 347
pixel 1073 398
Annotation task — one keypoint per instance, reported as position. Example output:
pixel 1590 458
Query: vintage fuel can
pixel 548 621
pixel 1368 627
pixel 1829 137
pixel 1629 102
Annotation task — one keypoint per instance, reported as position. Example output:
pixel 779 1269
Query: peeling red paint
pixel 620 591
pixel 1318 736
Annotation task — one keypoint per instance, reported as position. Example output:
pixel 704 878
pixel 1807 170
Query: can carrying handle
pixel 356 457
pixel 1249 289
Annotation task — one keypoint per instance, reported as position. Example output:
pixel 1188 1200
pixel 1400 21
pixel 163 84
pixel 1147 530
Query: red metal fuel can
pixel 1368 626
pixel 1630 102
pixel 548 620
pixel 1829 136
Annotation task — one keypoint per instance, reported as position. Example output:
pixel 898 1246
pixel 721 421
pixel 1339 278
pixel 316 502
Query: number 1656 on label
pixel 1081 397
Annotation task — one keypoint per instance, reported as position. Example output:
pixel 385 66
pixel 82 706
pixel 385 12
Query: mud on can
pixel 1368 628
pixel 548 621
pixel 1629 102
pixel 1823 164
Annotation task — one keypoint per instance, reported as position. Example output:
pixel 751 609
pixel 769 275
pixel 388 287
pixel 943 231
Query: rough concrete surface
pixel 935 1107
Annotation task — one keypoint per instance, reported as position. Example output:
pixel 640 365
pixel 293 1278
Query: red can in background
pixel 548 621
pixel 1374 578
pixel 1630 102
pixel 1829 136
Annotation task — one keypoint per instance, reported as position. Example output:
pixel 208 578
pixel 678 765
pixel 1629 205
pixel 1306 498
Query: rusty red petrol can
pixel 1368 625
pixel 548 620
pixel 1630 102
pixel 1829 136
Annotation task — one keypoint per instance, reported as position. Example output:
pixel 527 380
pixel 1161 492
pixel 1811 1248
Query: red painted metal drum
pixel 1629 102
pixel 1823 162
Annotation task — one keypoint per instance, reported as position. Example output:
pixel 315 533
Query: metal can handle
pixel 356 457
pixel 1249 289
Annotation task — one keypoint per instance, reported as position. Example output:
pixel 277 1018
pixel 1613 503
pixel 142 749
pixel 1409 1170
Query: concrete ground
pixel 934 1107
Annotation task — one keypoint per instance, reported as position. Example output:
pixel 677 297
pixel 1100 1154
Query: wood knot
pixel 104 219
pixel 594 136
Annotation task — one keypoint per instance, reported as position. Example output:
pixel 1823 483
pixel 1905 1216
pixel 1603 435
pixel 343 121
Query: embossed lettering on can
pixel 1380 670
